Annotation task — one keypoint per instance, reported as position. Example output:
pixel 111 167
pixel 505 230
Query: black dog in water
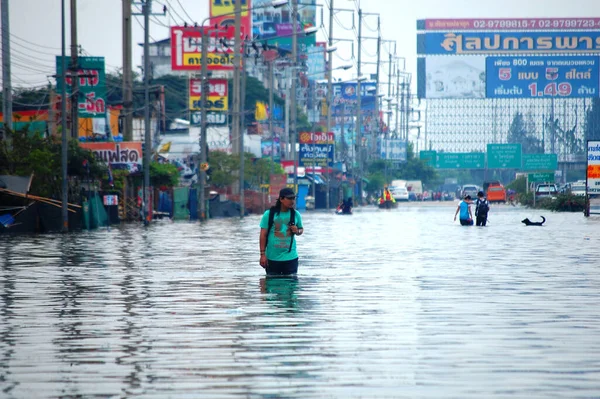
pixel 530 223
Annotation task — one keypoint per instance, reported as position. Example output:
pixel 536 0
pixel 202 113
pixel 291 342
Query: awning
pixel 317 177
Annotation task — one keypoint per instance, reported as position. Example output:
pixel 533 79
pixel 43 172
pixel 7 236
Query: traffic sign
pixel 539 162
pixel 428 157
pixel 504 156
pixel 460 160
pixel 542 177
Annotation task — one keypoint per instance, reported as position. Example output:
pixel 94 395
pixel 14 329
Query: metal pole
pixel 236 114
pixel 397 131
pixel 358 143
pixel 375 134
pixel 293 93
pixel 242 128
pixel 74 73
pixel 204 89
pixel 63 110
pixel 329 95
pixel 6 75
pixel 146 7
pixel 271 116
pixel 127 74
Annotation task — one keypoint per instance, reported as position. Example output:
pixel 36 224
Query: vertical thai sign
pixel 91 99
pixel 593 167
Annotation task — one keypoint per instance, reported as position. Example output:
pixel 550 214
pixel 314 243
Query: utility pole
pixel 389 93
pixel 358 134
pixel 127 73
pixel 74 73
pixel 242 126
pixel 205 87
pixel 293 95
pixel 329 93
pixel 64 142
pixel 6 75
pixel 146 9
pixel 375 133
pixel 236 114
pixel 271 88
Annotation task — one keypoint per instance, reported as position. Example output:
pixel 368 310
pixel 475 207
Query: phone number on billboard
pixel 578 23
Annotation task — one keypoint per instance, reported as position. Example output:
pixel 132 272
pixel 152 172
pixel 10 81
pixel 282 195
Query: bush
pixel 562 203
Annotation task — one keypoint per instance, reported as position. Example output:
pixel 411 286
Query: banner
pixel 451 77
pixel 516 43
pixel 539 77
pixel 217 95
pixel 92 85
pixel 126 155
pixel 186 48
pixel 212 118
pixel 593 167
pixel 453 24
pixel 275 24
pixel 316 61
pixel 270 148
pixel 392 149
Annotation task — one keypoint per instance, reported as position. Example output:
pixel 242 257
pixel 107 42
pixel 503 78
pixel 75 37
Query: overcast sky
pixel 36 27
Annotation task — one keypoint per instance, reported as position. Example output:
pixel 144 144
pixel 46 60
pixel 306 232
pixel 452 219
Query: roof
pixel 19 184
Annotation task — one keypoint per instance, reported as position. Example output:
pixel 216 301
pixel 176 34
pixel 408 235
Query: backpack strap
pixel 292 222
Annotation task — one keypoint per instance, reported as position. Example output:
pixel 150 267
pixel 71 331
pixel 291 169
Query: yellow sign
pixel 226 7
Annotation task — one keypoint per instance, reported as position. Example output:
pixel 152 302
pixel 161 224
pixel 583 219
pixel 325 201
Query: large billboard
pixel 455 43
pixel 478 76
pixel 275 26
pixel 453 24
pixel 186 48
pixel 593 167
pixel 92 86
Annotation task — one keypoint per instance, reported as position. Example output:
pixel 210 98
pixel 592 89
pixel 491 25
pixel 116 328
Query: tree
pixel 518 133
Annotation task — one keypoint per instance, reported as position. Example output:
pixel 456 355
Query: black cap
pixel 480 194
pixel 286 192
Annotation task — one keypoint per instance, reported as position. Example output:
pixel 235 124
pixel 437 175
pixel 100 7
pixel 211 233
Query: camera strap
pixel 291 223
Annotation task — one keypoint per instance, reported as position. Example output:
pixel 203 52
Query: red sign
pixel 276 183
pixel 186 48
pixel 457 24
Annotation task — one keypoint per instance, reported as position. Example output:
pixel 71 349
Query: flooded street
pixel 400 304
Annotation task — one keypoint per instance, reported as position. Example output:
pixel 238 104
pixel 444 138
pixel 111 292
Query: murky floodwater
pixel 402 303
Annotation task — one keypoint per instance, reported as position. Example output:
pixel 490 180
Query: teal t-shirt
pixel 279 237
pixel 464 210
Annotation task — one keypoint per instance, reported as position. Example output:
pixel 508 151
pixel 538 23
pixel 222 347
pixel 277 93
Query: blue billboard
pixel 312 154
pixel 345 98
pixel 449 43
pixel 542 77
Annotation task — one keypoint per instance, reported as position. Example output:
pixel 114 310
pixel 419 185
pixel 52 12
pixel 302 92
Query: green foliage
pixel 376 182
pixel 163 174
pixel 562 202
pixel 222 168
pixel 43 157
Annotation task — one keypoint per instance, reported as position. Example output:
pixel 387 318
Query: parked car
pixel 578 188
pixel 469 189
pixel 399 193
pixel 495 191
pixel 546 190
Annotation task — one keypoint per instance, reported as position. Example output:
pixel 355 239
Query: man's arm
pixel 262 247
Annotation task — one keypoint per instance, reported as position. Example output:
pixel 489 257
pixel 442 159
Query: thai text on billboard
pixel 562 42
pixel 593 167
pixel 453 24
pixel 125 155
pixel 541 77
pixel 222 14
pixel 345 99
pixel 91 85
pixel 186 48
pixel 216 99
pixel 276 24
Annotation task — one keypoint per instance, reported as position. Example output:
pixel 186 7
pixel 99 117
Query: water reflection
pixel 386 304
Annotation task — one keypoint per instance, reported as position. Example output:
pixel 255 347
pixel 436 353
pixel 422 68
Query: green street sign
pixel 504 156
pixel 460 160
pixel 540 177
pixel 533 162
pixel 428 157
